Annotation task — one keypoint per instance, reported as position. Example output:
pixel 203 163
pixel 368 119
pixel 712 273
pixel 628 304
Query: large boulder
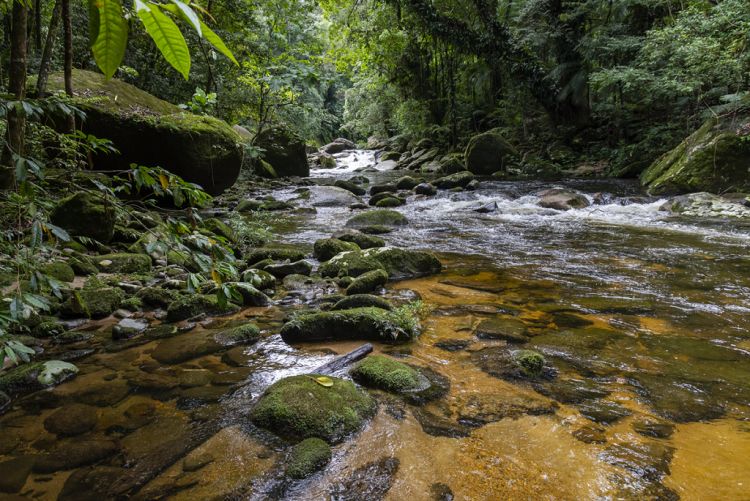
pixel 338 145
pixel 716 159
pixel 369 324
pixel 487 153
pixel 284 151
pixel 149 131
pixel 299 407
pixel 562 199
pixel 85 214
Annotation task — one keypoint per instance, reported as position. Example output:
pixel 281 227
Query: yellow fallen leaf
pixel 323 381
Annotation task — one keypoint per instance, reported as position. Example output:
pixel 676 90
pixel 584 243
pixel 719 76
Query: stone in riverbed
pixel 243 334
pixel 191 305
pixel 368 282
pixel 351 264
pixel 426 189
pixel 124 263
pixel 68 456
pixel 363 240
pixel 92 302
pixel 384 373
pixel 71 420
pixel 383 188
pixel 261 280
pixel 487 153
pixel 281 270
pixel 371 481
pixel 378 217
pixel 128 328
pixel 457 180
pixel 338 145
pixel 390 202
pixel 298 407
pixel 562 199
pixel 85 214
pixel 507 329
pixel 307 457
pixel 251 296
pixel 511 364
pixel 372 324
pixel 350 186
pixel 325 248
pixel 401 263
pixel 362 301
pixel 14 473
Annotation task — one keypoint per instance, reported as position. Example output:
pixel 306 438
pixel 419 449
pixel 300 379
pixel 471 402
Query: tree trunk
pixel 68 37
pixel 49 45
pixel 17 87
pixel 38 26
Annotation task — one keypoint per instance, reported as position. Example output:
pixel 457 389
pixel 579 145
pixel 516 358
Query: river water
pixel 643 316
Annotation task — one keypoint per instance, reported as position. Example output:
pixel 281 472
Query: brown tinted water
pixel 644 320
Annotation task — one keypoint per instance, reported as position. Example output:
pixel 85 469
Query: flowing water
pixel 644 316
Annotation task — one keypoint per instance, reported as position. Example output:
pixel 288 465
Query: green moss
pixel 352 264
pixel 35 376
pixel 83 266
pixel 379 217
pixel 156 296
pixel 530 362
pixel 378 371
pixel 400 263
pixel 190 305
pixel 363 240
pixel 48 328
pixel 368 282
pixel 251 296
pixel 326 248
pixel 220 228
pixel 93 302
pixel 368 323
pixel 124 263
pixel 60 270
pixel 298 408
pixel 457 180
pixel 244 334
pixel 390 202
pixel 307 457
pixel 362 301
pixel 275 254
pixel 259 279
pixel 132 304
pixel 86 215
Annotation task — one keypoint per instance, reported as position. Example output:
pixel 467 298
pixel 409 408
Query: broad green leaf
pixel 112 36
pixel 189 15
pixel 166 35
pixel 217 42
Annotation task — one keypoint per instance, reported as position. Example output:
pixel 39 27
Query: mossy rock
pixel 35 376
pixel 261 280
pixel 384 373
pixel 369 324
pixel 363 240
pixel 60 270
pixel 457 180
pixel 368 282
pixel 251 296
pixel 712 159
pixel 510 364
pixel 298 408
pixel 48 328
pixel 284 151
pixel 452 163
pixel 85 214
pixel 390 202
pixel 307 457
pixel 401 263
pixel 92 302
pixel 488 153
pixel 83 266
pixel 350 186
pixel 275 254
pixel 149 131
pixel 378 217
pixel 124 263
pixel 325 248
pixel 190 305
pixel 406 183
pixel 362 301
pixel 243 334
pixel 352 264
pixel 156 296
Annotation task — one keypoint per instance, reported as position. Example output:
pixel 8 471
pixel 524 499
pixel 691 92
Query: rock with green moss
pixel 390 202
pixel 59 270
pixel 368 282
pixel 299 407
pixel 243 334
pixel 251 296
pixel 457 180
pixel 363 240
pixel 35 376
pixel 452 163
pixel 378 217
pixel 220 228
pixel 48 328
pixel 384 373
pixel 85 214
pixel 362 301
pixel 261 280
pixel 487 153
pixel 191 305
pixel 148 131
pixel 307 457
pixel 406 183
pixel 275 254
pixel 350 186
pixel 351 264
pixel 713 159
pixel 325 248
pixel 401 263
pixel 124 263
pixel 281 270
pixel 132 303
pixel 156 296
pixel 284 151
pixel 511 364
pixel 369 324
pixel 83 265
pixel 93 302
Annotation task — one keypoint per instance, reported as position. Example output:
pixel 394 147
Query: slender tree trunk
pixel 68 37
pixel 38 26
pixel 46 62
pixel 17 87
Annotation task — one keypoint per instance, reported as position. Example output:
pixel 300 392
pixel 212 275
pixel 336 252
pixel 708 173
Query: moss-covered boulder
pixel 349 264
pixel 251 296
pixel 488 153
pixel 384 373
pixel 362 301
pixel 275 254
pixel 85 214
pixel 59 270
pixel 379 217
pixel 368 282
pixel 190 305
pixel 149 131
pixel 562 199
pixel 457 180
pixel 713 159
pixel 401 263
pixel 363 240
pixel 261 280
pixel 307 457
pixel 325 248
pixel 124 263
pixel 369 324
pixel 93 302
pixel 284 151
pixel 157 297
pixel 34 376
pixel 299 407
pixel 242 334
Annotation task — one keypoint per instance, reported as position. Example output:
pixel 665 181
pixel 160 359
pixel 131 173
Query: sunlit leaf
pixel 166 35
pixel 112 36
pixel 323 381
pixel 217 42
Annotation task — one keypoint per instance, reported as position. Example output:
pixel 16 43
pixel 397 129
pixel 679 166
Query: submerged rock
pixel 298 407
pixel 70 455
pixel 371 481
pixel 72 419
pixel 371 324
pixel 307 457
pixel 507 329
pixel 15 472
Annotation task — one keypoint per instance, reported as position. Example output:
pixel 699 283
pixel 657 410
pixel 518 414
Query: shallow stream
pixel 644 316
